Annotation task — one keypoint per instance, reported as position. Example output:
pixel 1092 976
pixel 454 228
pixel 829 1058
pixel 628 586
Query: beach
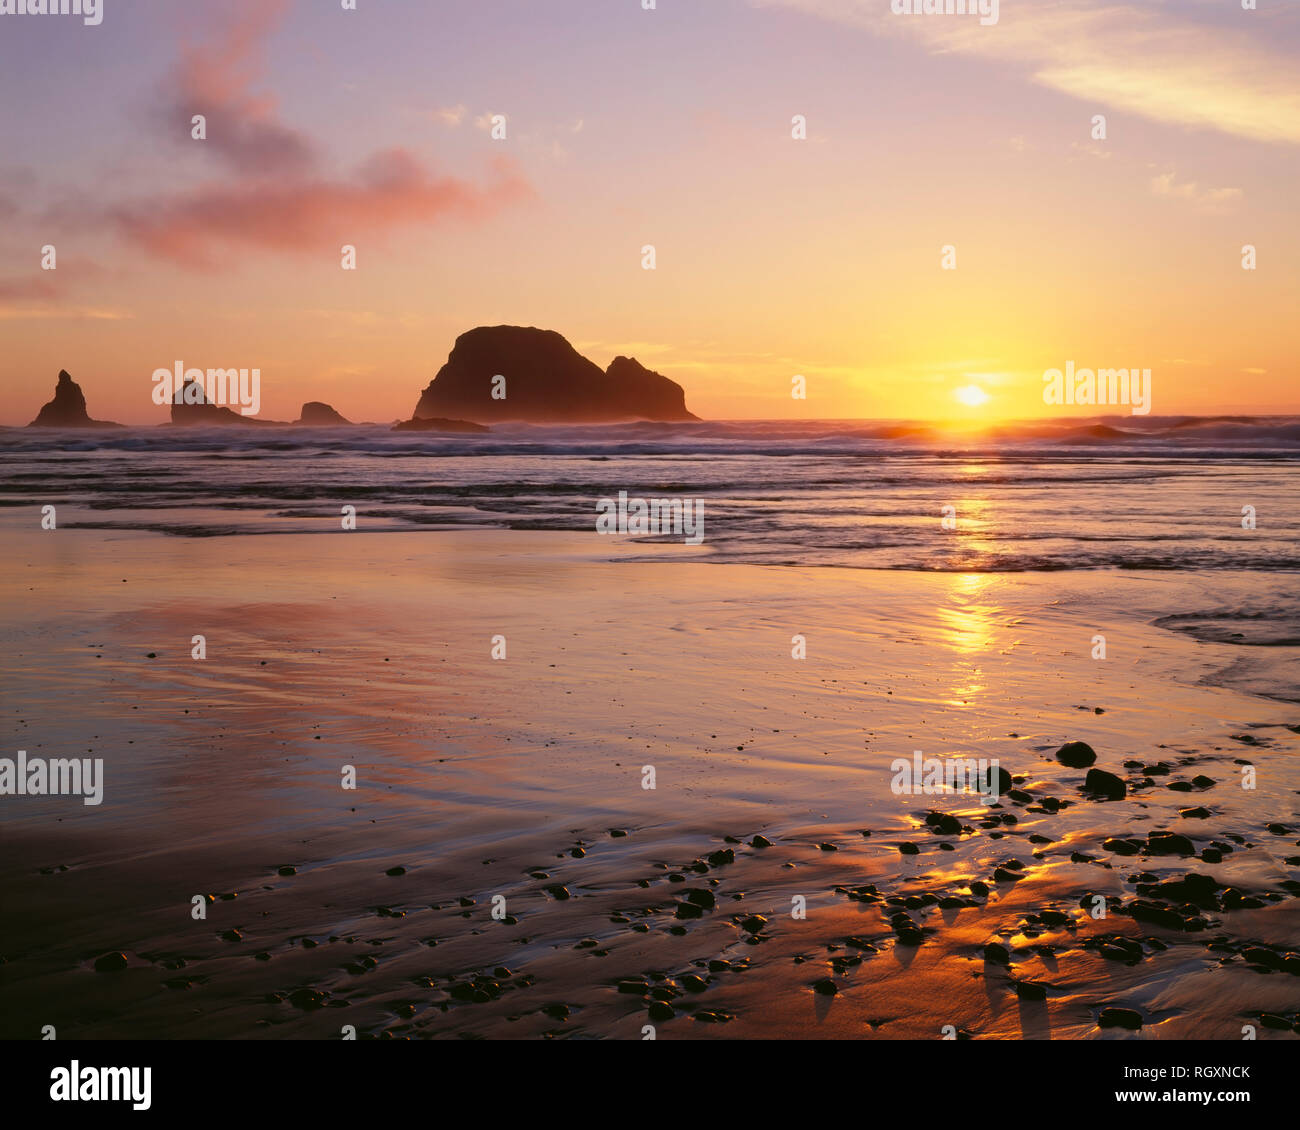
pixel 500 871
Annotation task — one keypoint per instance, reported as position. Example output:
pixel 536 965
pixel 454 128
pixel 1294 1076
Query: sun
pixel 971 395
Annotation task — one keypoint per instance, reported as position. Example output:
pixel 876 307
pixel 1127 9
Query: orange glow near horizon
pixel 821 257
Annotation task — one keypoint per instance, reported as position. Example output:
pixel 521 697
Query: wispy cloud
pixel 66 313
pixel 211 226
pixel 217 79
pixel 282 198
pixel 1202 198
pixel 1154 62
pixel 449 115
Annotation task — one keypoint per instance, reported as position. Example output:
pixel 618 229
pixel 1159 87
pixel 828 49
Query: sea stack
pixel 194 410
pixel 498 373
pixel 316 414
pixel 68 408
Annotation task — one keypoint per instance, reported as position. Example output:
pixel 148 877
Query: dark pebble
pixel 1077 755
pixel 1120 1018
pixel 1105 784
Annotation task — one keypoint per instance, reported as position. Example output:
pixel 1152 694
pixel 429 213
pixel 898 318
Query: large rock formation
pixel 546 381
pixel 68 408
pixel 198 412
pixel 316 414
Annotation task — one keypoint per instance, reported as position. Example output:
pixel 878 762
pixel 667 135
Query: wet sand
pixel 522 779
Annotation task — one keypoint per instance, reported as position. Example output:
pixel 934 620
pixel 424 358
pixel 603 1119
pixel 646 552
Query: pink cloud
pixel 29 289
pixel 216 80
pixel 304 214
pixel 281 199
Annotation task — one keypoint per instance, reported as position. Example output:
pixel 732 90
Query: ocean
pixel 1166 493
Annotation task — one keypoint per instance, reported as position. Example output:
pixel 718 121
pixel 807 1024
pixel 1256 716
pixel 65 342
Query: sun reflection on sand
pixel 966 626
pixel 967 620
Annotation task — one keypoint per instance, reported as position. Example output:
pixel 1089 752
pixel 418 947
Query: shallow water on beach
pixel 515 780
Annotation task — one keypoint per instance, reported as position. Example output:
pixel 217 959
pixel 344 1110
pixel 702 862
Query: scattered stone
pixel 1169 843
pixel 1002 782
pixel 1120 1018
pixel 1104 784
pixel 944 823
pixel 700 897
pixel 1077 755
pixel 307 999
pixel 996 952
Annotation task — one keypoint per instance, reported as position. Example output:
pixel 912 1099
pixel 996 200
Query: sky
pixel 775 257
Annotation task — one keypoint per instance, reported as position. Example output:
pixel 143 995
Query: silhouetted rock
pixel 316 414
pixel 1077 755
pixel 438 424
pixel 68 408
pixel 545 381
pixel 200 413
pixel 1104 784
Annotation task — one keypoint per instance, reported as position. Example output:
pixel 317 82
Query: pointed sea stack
pixel 68 408
pixel 547 381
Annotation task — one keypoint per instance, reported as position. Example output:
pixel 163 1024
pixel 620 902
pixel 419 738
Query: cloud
pixel 39 286
pixel 1151 62
pixel 449 116
pixel 1203 199
pixel 216 79
pixel 210 226
pixel 281 197
pixel 31 288
pixel 68 313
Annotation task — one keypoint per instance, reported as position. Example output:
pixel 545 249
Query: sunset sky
pixel 669 127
